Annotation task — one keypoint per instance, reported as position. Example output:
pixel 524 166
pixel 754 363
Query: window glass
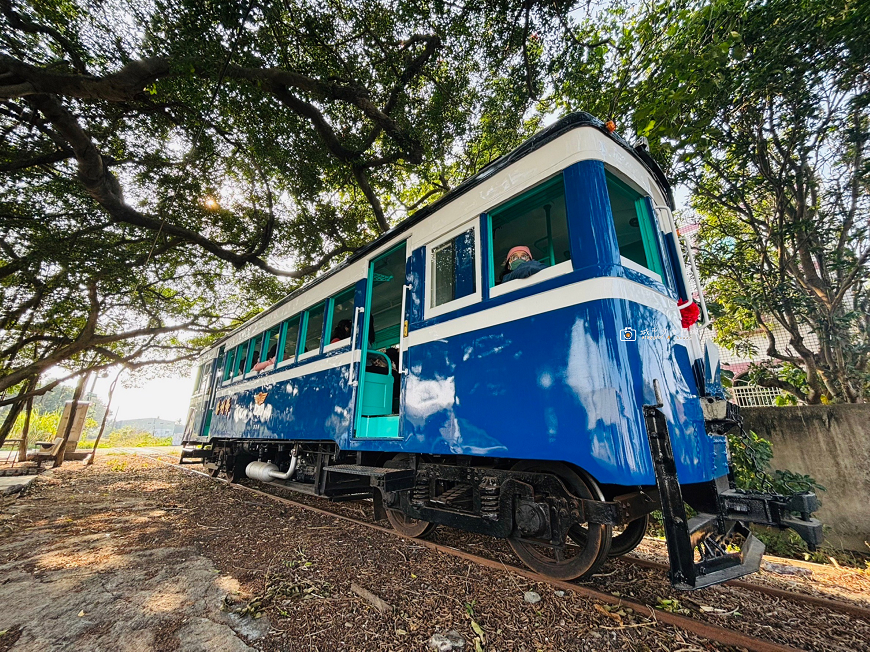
pixel 636 230
pixel 256 346
pixel 388 278
pixel 228 365
pixel 341 316
pixel 314 329
pixel 271 343
pixel 241 356
pixel 205 375
pixel 538 220
pixel 291 338
pixel 453 271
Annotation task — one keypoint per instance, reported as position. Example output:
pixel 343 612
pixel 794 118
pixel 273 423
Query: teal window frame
pixel 330 312
pixel 646 222
pixel 267 336
pixel 229 366
pixel 249 357
pixel 308 312
pixel 390 340
pixel 534 197
pixel 282 340
pixel 241 357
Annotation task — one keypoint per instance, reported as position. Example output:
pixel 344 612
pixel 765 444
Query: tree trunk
pixel 58 460
pixel 22 447
pixel 14 411
pixel 105 418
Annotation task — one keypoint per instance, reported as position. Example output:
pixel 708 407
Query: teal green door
pixel 377 405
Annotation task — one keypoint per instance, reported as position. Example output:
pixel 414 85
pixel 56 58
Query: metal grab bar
pixel 697 276
pixel 356 314
pixel 402 333
pixel 691 256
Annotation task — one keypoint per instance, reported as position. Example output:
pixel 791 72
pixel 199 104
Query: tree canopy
pixel 169 168
pixel 165 165
pixel 761 110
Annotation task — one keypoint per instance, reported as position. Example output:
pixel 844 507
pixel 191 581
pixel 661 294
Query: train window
pixel 314 329
pixel 241 356
pixel 197 383
pixel 270 345
pixel 228 365
pixel 453 269
pixel 204 374
pixel 385 305
pixel 341 316
pixel 255 348
pixel 636 229
pixel 291 339
pixel 537 219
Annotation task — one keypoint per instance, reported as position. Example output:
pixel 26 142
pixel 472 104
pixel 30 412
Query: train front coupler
pixel 723 511
pixel 763 508
pixel 774 510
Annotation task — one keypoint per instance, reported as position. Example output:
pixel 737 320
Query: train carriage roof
pixel 550 133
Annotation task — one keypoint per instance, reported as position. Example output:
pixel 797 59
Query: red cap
pixel 517 250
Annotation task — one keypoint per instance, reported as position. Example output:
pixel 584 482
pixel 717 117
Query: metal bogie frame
pixel 520 500
pixel 488 498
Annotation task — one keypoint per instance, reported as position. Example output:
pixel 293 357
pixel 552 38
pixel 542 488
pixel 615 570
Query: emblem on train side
pixel 260 398
pixel 223 406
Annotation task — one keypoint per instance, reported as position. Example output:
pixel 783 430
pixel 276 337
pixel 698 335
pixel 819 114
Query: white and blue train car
pixel 548 410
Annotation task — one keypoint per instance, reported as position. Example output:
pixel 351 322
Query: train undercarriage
pixel 558 520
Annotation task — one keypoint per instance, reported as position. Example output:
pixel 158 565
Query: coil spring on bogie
pixel 489 496
pixel 421 489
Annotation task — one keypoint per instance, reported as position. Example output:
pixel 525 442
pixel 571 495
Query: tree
pixel 95 297
pixel 279 111
pixel 163 163
pixel 765 105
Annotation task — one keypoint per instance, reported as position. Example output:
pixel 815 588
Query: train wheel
pixel 236 465
pixel 212 466
pixel 401 522
pixel 585 551
pixel 629 538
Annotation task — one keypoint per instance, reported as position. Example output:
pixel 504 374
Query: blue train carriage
pixel 555 404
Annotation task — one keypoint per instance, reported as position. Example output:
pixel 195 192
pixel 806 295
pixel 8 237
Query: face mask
pixel 516 262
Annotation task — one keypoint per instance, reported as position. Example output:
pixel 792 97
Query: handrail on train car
pixel 360 309
pixel 402 330
pixel 691 256
pixel 706 320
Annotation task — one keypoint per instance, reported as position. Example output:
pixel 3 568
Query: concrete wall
pixel 831 443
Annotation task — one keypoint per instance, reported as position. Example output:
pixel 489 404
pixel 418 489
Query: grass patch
pixel 127 437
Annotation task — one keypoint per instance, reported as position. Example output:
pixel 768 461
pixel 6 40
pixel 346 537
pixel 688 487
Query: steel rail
pixel 698 627
pixel 826 603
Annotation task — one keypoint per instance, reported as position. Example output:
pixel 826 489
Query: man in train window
pixel 520 264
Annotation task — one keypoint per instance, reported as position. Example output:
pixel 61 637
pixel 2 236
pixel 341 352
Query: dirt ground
pixel 133 555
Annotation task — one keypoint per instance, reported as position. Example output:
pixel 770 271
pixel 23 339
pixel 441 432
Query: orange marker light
pixel 610 125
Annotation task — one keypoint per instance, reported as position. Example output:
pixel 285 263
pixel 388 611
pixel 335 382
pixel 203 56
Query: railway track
pixel 695 626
